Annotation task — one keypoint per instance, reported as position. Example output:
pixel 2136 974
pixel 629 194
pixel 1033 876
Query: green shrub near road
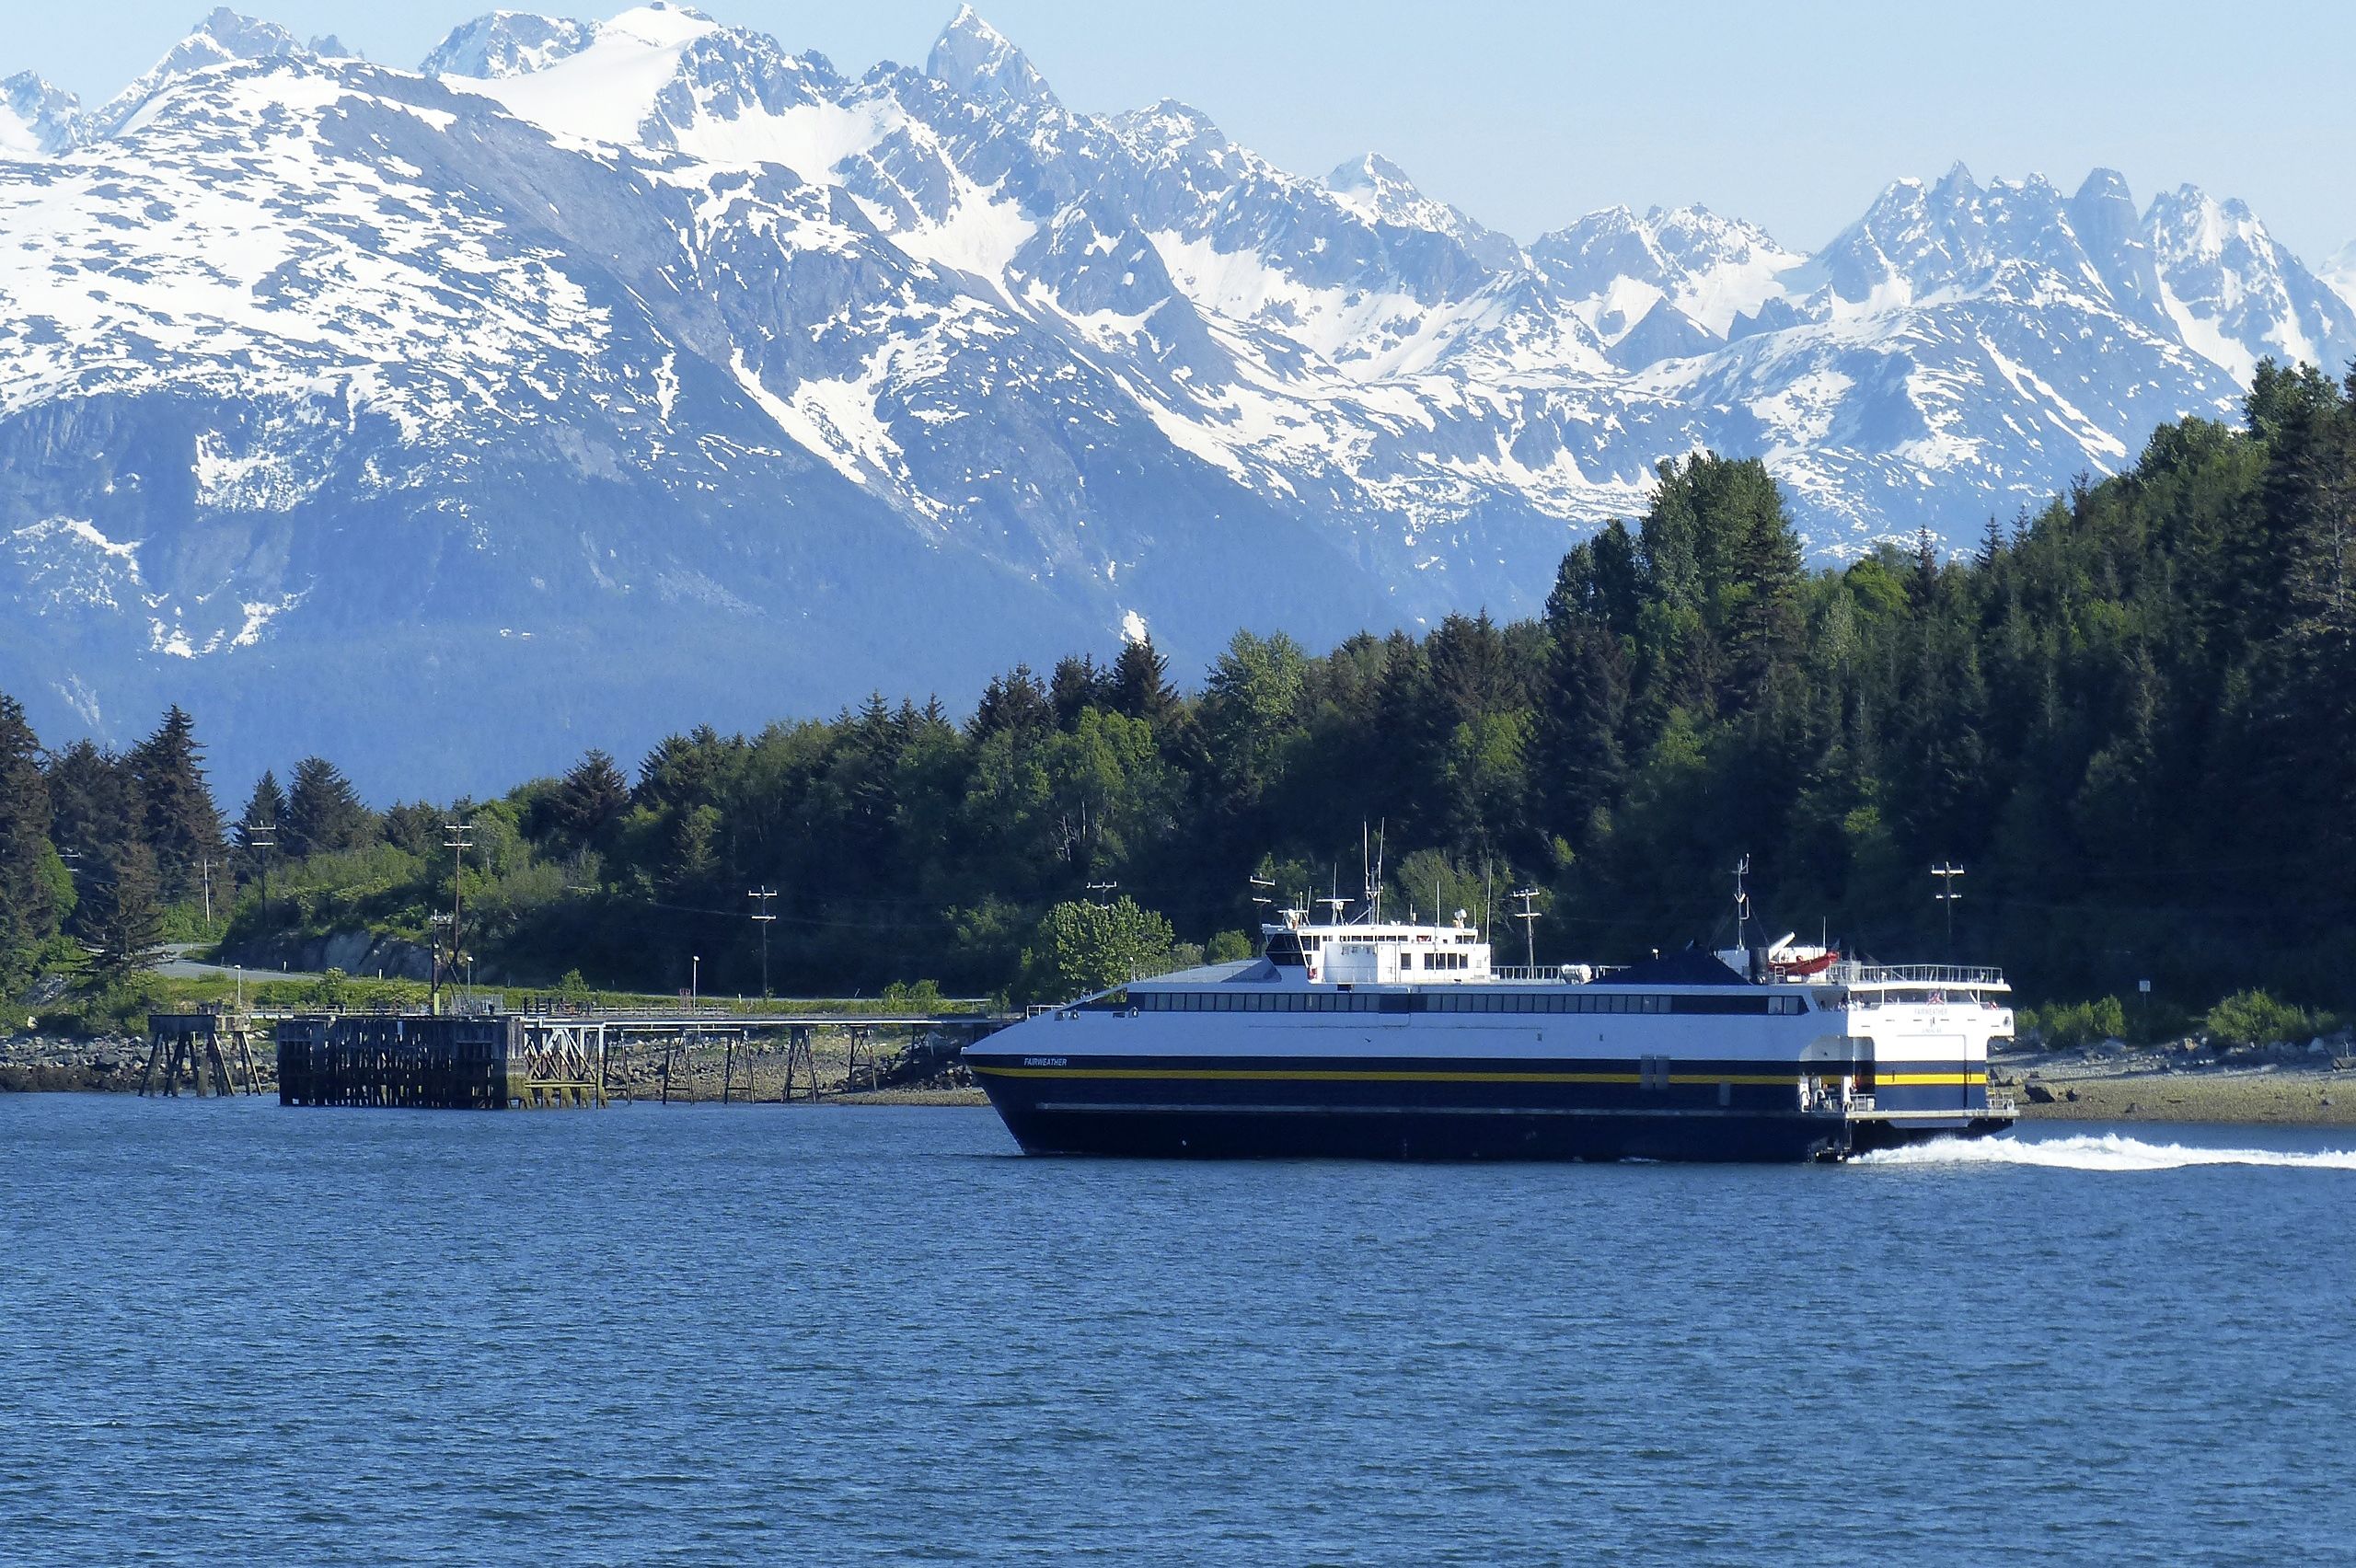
pixel 2253 1018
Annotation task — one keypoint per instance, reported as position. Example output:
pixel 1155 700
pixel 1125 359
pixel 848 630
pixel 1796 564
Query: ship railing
pixel 1854 973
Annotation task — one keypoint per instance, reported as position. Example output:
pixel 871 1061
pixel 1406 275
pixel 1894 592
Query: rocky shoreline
pixel 2311 1085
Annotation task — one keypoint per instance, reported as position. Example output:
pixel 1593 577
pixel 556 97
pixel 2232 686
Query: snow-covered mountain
pixel 2340 273
pixel 601 377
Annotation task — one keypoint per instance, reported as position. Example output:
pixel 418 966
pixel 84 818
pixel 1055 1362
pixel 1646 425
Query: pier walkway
pixel 494 1060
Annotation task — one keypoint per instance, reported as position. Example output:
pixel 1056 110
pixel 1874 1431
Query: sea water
pixel 234 1333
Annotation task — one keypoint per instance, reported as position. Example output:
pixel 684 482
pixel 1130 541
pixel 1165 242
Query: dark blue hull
pixel 1355 1134
pixel 1392 1109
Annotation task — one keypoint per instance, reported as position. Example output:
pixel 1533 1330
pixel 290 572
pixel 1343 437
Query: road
pixel 178 965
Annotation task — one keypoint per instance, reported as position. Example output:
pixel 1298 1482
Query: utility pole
pixel 1742 904
pixel 1107 889
pixel 1947 895
pixel 763 918
pixel 262 837
pixel 1527 915
pixel 456 838
pixel 205 868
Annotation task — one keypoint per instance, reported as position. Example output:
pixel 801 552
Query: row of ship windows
pixel 1457 1002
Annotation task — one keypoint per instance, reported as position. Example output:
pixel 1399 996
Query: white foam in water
pixel 2108 1152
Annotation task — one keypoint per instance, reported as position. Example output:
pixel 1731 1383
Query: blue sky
pixel 1792 114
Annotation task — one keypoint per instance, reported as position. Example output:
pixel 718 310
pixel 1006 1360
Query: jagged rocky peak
pixel 508 43
pixel 1379 189
pixel 223 36
pixel 35 118
pixel 2104 209
pixel 2192 224
pixel 2238 295
pixel 976 60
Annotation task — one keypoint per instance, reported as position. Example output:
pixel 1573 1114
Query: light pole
pixel 457 840
pixel 695 978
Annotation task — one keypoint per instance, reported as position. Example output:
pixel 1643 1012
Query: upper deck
pixel 1351 956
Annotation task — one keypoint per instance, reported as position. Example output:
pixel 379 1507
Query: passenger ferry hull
pixel 1449 1109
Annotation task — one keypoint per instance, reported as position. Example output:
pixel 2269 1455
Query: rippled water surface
pixel 230 1332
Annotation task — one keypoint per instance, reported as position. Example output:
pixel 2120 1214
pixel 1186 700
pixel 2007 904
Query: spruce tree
pixel 177 819
pixel 1139 686
pixel 265 810
pixel 28 905
pixel 91 802
pixel 592 798
pixel 1078 686
pixel 324 813
pixel 1015 704
pixel 126 929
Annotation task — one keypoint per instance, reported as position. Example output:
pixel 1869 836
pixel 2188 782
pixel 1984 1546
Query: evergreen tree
pixel 29 892
pixel 324 813
pixel 592 799
pixel 126 926
pixel 177 819
pixel 265 810
pixel 1078 685
pixel 1140 686
pixel 91 802
pixel 1013 704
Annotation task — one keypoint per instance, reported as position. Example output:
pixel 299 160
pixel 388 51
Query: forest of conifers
pixel 2128 716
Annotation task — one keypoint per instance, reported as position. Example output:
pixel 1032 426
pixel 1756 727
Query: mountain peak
pixel 223 35
pixel 35 118
pixel 980 62
pixel 2104 185
pixel 507 43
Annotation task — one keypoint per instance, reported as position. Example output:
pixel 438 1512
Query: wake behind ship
pixel 1405 1042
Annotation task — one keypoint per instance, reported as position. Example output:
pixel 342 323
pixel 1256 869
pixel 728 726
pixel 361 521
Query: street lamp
pixel 695 978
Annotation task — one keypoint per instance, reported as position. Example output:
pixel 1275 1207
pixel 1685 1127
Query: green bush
pixel 923 997
pixel 2254 1018
pixel 2067 1025
pixel 120 1008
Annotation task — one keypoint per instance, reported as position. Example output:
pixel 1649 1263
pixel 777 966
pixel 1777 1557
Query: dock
pixel 584 1060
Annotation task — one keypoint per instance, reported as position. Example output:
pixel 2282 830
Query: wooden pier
pixel 492 1061
pixel 440 1062
pixel 210 1046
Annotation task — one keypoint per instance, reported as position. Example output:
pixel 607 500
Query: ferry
pixel 1404 1041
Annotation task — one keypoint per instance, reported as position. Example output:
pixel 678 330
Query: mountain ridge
pixel 602 321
